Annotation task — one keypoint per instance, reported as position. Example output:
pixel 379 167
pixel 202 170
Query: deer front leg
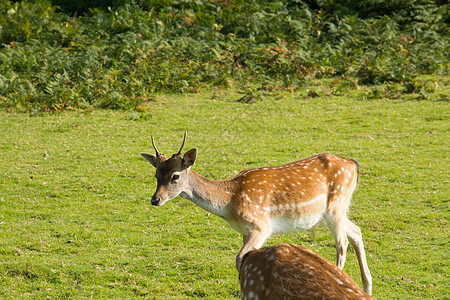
pixel 254 240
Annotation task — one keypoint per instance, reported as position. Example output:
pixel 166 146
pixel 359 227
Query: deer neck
pixel 211 195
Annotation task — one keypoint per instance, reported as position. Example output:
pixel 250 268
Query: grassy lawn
pixel 76 221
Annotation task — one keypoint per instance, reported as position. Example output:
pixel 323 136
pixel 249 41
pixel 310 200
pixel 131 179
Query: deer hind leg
pixel 254 240
pixel 337 228
pixel 355 237
pixel 313 234
pixel 313 230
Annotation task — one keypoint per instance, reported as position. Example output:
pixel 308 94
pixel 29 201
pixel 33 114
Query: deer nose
pixel 155 200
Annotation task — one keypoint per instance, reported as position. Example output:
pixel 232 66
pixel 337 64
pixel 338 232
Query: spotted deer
pixel 260 202
pixel 291 272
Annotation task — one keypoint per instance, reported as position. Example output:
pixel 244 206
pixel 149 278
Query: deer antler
pixel 158 154
pixel 184 140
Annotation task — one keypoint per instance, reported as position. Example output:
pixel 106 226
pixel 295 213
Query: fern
pixel 58 55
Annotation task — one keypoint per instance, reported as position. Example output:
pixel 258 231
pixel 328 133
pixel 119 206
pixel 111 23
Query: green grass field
pixel 76 220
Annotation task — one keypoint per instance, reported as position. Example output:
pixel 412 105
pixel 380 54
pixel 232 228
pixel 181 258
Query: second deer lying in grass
pixel 291 272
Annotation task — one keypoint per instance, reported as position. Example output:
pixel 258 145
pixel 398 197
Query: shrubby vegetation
pixel 57 55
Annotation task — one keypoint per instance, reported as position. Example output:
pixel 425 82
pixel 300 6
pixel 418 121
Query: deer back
pixel 286 271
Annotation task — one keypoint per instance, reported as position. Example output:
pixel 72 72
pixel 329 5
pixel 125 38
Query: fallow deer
pixel 260 202
pixel 291 272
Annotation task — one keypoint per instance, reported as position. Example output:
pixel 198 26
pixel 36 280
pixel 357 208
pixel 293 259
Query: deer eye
pixel 175 177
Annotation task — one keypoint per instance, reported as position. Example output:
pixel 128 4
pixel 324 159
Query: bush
pixel 114 54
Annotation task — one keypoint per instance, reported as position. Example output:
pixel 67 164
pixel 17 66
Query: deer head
pixel 171 174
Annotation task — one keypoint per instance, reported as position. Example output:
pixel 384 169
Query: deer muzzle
pixel 156 200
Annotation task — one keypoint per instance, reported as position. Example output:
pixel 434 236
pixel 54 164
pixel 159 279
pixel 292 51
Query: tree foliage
pixel 63 54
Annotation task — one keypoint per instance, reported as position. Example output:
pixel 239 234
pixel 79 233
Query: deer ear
pixel 150 158
pixel 189 158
